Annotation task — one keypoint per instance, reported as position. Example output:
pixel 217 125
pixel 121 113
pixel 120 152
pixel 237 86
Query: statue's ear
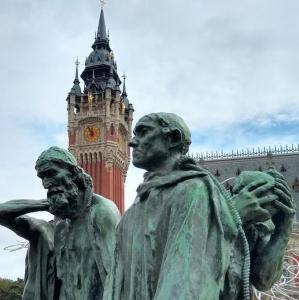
pixel 175 139
pixel 82 179
pixel 78 177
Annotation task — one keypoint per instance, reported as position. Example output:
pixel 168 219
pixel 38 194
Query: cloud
pixel 244 137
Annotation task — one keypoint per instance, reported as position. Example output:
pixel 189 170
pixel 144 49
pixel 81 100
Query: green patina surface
pixel 184 237
pixel 68 258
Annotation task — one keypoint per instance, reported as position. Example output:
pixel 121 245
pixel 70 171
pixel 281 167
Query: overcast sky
pixel 229 68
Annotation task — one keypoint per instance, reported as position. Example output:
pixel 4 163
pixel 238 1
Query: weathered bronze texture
pixel 68 258
pixel 186 237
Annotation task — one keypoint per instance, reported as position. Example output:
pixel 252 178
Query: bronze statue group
pixel 185 237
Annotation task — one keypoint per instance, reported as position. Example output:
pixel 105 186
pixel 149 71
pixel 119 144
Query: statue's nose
pixel 47 183
pixel 133 143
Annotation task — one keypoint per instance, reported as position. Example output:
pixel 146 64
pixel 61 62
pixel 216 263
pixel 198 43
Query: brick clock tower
pixel 100 120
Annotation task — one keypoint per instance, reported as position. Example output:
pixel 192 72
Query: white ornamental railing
pixel 243 153
pixel 288 286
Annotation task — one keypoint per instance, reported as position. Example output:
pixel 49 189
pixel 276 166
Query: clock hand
pixel 91 131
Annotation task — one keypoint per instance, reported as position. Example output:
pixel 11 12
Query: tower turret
pixel 100 62
pixel 100 120
pixel 76 89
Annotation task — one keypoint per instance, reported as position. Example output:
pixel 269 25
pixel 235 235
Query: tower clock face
pixel 91 133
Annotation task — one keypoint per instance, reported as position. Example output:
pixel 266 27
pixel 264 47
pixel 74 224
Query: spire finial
pixel 124 94
pixel 93 77
pixel 102 34
pixel 124 78
pixel 103 2
pixel 77 63
pixel 76 87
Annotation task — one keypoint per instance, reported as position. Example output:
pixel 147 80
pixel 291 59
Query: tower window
pixel 112 108
pixel 112 130
pixel 77 109
pixel 217 173
pixel 296 185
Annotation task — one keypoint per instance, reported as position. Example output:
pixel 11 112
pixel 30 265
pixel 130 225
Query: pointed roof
pixel 76 81
pixel 76 89
pixel 124 93
pixel 100 67
pixel 93 77
pixel 101 37
pixel 102 33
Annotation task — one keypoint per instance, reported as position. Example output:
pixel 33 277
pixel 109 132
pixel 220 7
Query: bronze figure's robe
pixel 176 242
pixel 76 267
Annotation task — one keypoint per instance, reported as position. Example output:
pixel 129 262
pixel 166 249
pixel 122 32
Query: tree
pixel 11 290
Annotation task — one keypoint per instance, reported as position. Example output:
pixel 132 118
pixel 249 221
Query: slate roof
pixel 100 67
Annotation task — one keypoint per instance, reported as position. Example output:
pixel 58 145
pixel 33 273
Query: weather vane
pixel 103 2
pixel 124 77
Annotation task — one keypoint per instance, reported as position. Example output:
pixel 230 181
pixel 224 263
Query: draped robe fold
pixel 45 274
pixel 176 242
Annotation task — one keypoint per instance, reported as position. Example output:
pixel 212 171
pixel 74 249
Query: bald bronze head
pixel 157 137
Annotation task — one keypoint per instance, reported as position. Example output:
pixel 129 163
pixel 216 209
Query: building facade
pixel 100 120
pixel 227 166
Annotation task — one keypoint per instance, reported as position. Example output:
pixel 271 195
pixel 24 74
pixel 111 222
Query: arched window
pixel 112 130
pixel 81 159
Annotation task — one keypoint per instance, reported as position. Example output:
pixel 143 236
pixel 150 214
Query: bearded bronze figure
pixel 68 257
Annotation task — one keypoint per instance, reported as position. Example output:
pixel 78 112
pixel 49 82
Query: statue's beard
pixel 64 200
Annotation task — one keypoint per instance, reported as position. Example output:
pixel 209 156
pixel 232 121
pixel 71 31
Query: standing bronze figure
pixel 185 237
pixel 68 258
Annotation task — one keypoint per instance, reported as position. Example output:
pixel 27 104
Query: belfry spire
pixel 100 67
pixel 100 118
pixel 102 33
